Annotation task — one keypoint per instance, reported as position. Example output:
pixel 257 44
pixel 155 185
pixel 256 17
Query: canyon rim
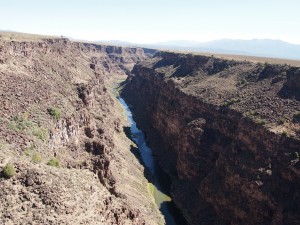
pixel 225 130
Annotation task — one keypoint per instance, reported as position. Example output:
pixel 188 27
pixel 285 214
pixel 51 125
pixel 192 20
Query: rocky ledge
pixel 226 131
pixel 64 158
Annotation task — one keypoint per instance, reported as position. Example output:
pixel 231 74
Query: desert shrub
pixel 242 82
pixel 9 171
pixel 36 157
pixel 53 162
pixel 281 121
pixel 39 133
pixel 20 123
pixel 54 112
pixel 27 152
pixel 261 122
pixel 251 113
pixel 231 101
pixel 284 134
pixel 260 65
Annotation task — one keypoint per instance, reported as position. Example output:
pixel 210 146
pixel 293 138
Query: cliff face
pixel 226 131
pixel 61 129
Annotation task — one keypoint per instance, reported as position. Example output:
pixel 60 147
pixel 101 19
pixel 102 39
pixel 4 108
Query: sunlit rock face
pixel 61 129
pixel 226 132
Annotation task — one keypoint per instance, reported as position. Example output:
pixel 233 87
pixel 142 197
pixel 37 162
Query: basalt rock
pixel 224 131
pixel 96 179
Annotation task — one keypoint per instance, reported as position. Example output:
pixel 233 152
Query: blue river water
pixel 159 184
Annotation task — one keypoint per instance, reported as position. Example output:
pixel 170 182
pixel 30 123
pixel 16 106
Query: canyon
pixel 61 129
pixel 225 131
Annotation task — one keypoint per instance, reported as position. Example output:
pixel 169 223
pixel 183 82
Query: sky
pixel 154 20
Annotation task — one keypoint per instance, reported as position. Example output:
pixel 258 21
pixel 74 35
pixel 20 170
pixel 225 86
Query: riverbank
pixel 159 183
pixel 61 134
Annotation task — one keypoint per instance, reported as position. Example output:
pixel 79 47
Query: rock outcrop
pixel 227 133
pixel 62 130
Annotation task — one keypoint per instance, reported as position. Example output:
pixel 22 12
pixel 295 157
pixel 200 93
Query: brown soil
pixel 226 131
pixel 98 181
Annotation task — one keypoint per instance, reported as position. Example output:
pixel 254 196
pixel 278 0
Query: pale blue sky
pixel 155 20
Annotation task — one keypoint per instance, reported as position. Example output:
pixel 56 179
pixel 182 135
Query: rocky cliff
pixel 64 158
pixel 226 131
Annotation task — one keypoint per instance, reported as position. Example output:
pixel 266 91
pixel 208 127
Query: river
pixel 159 185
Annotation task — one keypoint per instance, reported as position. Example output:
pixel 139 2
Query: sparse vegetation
pixel 4 145
pixel 28 151
pixel 242 82
pixel 260 65
pixel 232 101
pixel 36 157
pixel 284 133
pixel 261 122
pixel 54 112
pixel 53 162
pixel 281 121
pixel 251 113
pixel 297 155
pixel 40 133
pixel 9 171
pixel 22 123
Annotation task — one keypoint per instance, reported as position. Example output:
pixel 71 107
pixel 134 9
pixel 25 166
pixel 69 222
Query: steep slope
pixel 62 131
pixel 226 131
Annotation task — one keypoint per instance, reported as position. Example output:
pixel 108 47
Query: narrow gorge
pixel 64 157
pixel 225 132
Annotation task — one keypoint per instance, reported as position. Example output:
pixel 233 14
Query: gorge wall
pixel 62 131
pixel 226 131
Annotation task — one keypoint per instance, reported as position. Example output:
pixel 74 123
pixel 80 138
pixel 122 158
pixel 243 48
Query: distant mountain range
pixel 255 47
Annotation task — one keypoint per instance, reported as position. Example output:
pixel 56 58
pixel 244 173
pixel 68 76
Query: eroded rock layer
pixel 62 131
pixel 226 131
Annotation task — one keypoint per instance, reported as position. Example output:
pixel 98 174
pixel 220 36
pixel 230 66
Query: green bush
pixel 261 122
pixel 39 133
pixel 231 101
pixel 27 152
pixel 243 81
pixel 20 123
pixel 23 124
pixel 36 157
pixel 9 171
pixel 284 134
pixel 53 162
pixel 54 112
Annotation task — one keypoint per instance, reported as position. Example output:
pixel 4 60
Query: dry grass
pixel 245 58
pixel 16 36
